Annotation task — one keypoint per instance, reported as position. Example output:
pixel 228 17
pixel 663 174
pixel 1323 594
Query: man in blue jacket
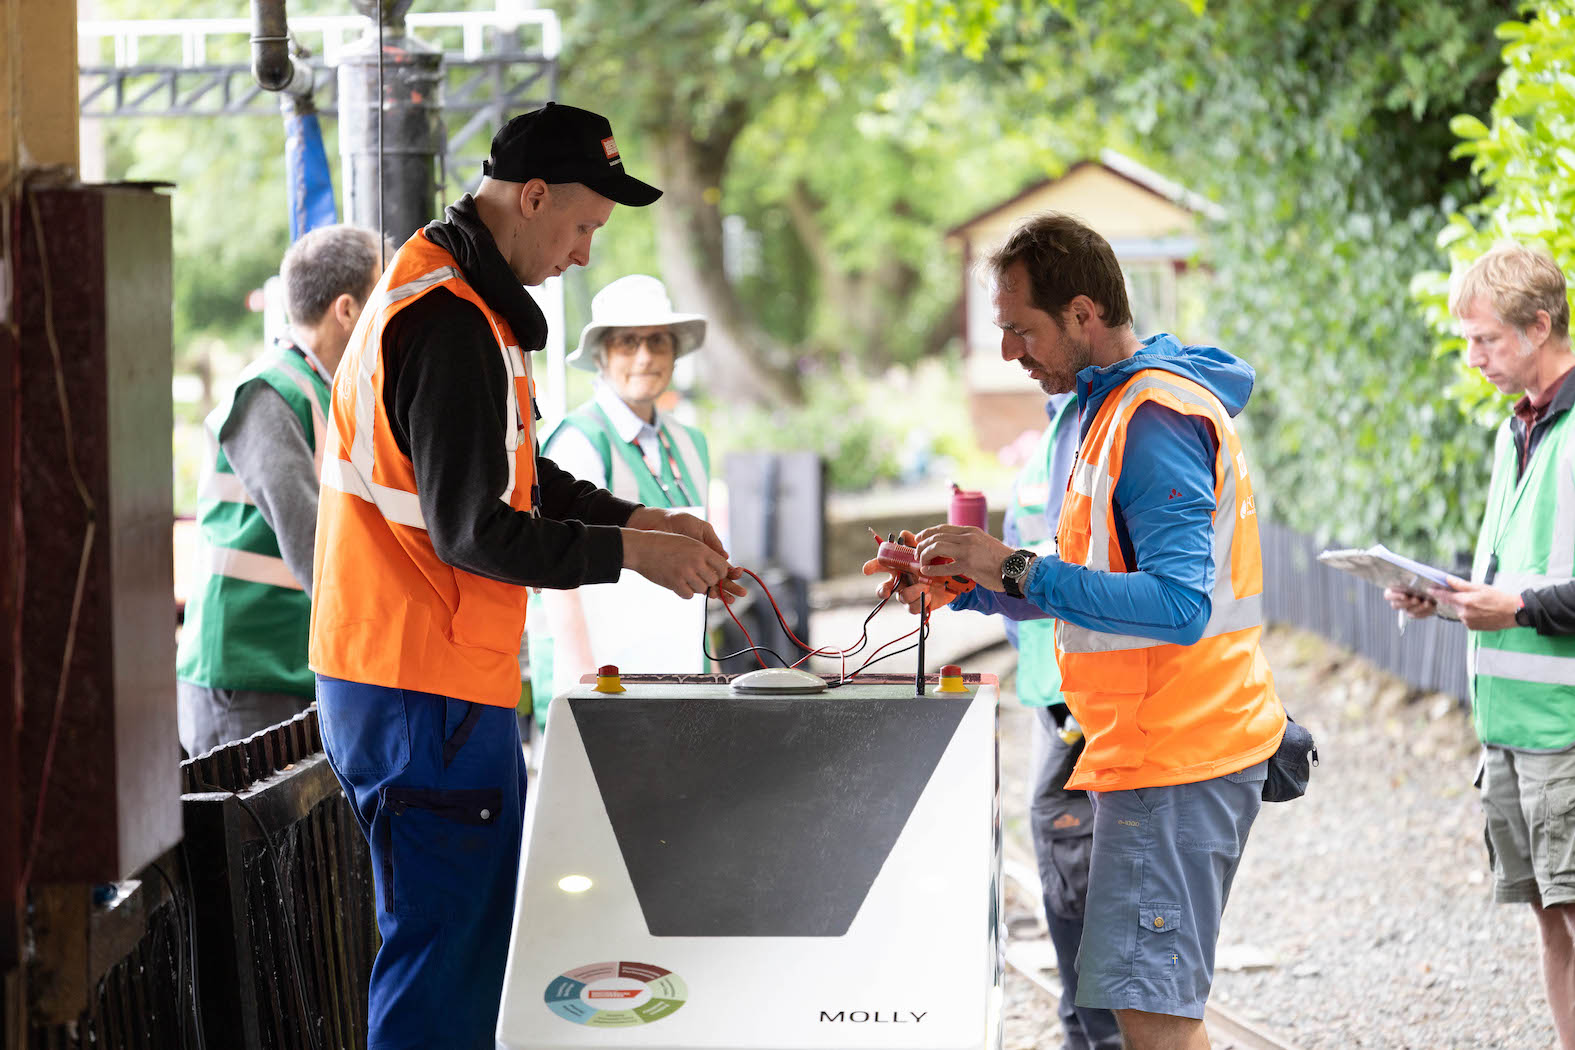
pixel 1156 586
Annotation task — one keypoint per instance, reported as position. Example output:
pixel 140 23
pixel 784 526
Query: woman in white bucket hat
pixel 619 441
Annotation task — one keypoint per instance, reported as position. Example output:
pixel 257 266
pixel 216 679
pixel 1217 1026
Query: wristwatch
pixel 1014 571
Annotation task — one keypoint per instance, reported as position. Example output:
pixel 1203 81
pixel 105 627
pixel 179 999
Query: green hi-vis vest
pixel 248 617
pixel 628 474
pixel 1038 674
pixel 1522 682
pixel 629 477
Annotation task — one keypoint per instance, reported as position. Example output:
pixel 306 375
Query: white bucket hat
pixel 635 301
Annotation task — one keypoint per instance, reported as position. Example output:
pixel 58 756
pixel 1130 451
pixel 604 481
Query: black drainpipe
pixel 274 68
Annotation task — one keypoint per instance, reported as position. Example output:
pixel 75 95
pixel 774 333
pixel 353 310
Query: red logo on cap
pixel 610 148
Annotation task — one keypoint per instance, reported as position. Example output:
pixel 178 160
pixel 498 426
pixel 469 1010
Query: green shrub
pixel 1525 159
pixel 1322 131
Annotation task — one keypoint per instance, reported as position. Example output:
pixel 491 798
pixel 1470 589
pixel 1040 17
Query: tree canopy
pixel 1522 156
pixel 841 131
pixel 1322 129
pixel 814 152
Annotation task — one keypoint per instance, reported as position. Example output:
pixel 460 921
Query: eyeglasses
pixel 660 342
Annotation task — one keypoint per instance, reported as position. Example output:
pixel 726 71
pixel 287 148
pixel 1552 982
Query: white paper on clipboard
pixel 1381 566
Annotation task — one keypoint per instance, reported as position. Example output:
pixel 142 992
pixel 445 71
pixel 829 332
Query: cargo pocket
pixel 1157 940
pixel 1556 821
pixel 1498 832
pixel 440 843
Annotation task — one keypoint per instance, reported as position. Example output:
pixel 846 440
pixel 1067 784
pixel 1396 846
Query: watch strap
pixel 1012 581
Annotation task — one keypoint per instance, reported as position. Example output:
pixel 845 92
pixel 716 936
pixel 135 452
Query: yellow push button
pixel 951 680
pixel 607 680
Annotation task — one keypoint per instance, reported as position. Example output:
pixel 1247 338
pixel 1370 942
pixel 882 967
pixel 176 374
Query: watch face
pixel 1014 565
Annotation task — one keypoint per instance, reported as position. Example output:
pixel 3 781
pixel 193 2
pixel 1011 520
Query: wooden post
pixel 38 86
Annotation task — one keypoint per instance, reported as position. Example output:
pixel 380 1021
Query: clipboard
pixel 1381 566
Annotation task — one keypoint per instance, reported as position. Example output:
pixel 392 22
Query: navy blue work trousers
pixel 438 788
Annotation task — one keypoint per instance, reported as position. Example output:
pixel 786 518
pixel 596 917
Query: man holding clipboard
pixel 1520 601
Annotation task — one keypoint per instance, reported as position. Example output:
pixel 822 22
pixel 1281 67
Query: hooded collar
pixel 463 235
pixel 1226 376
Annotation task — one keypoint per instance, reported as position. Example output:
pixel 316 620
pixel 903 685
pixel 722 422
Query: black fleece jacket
pixel 446 394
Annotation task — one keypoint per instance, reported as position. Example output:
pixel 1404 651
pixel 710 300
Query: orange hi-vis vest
pixel 386 610
pixel 1154 712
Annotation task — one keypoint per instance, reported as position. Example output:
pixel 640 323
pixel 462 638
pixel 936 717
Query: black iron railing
pixel 282 886
pixel 272 911
pixel 1430 655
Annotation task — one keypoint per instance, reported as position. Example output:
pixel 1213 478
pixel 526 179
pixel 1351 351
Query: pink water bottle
pixel 967 508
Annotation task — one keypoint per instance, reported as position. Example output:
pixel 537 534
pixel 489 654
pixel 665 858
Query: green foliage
pixel 845 136
pixel 1526 163
pixel 1323 131
pixel 228 209
pixel 860 206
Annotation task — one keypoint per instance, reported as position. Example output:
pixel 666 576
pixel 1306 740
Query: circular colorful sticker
pixel 616 994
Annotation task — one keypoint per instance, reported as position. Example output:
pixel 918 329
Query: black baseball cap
pixel 564 144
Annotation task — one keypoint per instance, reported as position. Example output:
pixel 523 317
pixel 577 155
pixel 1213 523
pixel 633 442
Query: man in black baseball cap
pixel 439 517
pixel 553 178
pixel 564 144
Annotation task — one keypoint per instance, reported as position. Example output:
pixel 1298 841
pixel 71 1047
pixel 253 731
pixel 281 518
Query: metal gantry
pixel 505 62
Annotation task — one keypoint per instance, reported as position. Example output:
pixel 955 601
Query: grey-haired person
pixel 241 664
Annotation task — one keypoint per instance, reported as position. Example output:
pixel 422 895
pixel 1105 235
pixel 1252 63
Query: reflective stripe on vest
pixel 396 505
pixel 319 421
pixel 1092 478
pixel 220 487
pixel 1523 667
pixel 354 477
pixel 245 565
pixel 695 468
pixel 621 479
